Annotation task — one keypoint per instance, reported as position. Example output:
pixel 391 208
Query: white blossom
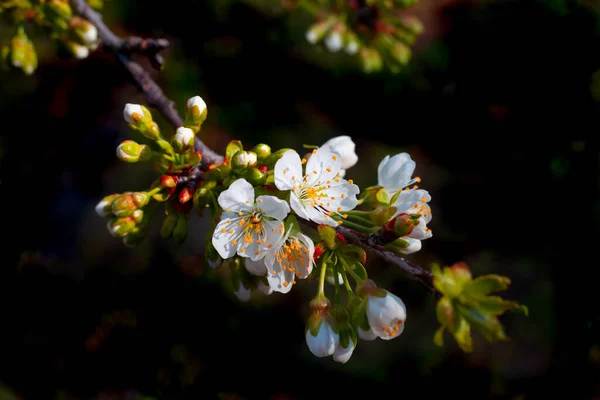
pixel 334 41
pixel 292 258
pixel 196 101
pixel 319 192
pixel 248 228
pixel 346 148
pixel 343 354
pixel 130 110
pixel 386 315
pixel 326 341
pixel 395 173
pixel 184 136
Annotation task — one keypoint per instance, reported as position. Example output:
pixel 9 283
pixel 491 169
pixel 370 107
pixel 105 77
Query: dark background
pixel 498 107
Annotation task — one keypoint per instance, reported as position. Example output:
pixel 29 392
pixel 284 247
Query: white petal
pixel 420 231
pixel 320 218
pixel 386 315
pixel 395 173
pixel 342 195
pixel 221 240
pixel 272 231
pixel 257 267
pixel 238 197
pixel 366 335
pixel 342 173
pixel 324 343
pixel 304 266
pixel 196 101
pixel 130 109
pixel 342 355
pixel 407 200
pixel 345 147
pixel 273 207
pixel 331 281
pixel 414 245
pixel 243 293
pixel 334 41
pixel 297 206
pixel 323 165
pixel 288 170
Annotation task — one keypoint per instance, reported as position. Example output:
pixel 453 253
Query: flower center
pixel 292 256
pixel 393 329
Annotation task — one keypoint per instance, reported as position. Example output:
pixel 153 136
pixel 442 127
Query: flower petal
pixel 414 245
pixel 395 173
pixel 366 335
pixel 238 197
pixel 342 355
pixel 243 293
pixel 323 165
pixel 223 237
pixel 273 207
pixel 420 231
pixel 288 170
pixel 304 265
pixel 386 315
pixel 324 343
pixel 407 200
pixel 297 206
pixel 345 147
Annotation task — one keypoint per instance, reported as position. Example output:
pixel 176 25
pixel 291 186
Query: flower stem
pixel 336 285
pixel 325 258
pixel 349 270
pixel 346 283
pixel 154 191
pixel 357 227
pixel 309 7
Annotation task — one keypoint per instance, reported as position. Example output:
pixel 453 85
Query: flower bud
pixel 262 151
pixel 58 8
pixel 181 229
pixel 104 207
pixel 22 53
pixel 183 139
pixel 196 110
pixel 386 314
pixel 184 195
pixel 140 119
pixel 130 151
pixel 403 225
pixel 334 41
pixel 168 181
pixel 255 176
pixel 317 31
pixel 128 202
pixel 400 52
pixel 244 159
pixel 352 43
pixel 86 31
pixel 121 226
pixel 321 338
pixel 371 59
pixel 79 51
pixel 135 237
pixel 137 216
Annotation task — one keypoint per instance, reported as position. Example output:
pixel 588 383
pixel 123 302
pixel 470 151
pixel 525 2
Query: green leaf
pixel 462 335
pixel 233 147
pixel 354 268
pixel 487 324
pixel 486 284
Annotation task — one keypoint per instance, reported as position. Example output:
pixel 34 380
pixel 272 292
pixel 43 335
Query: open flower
pixel 345 147
pixel 319 192
pixel 292 258
pixel 395 173
pixel 248 228
pixel 413 202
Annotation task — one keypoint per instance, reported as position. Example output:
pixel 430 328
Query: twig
pixel 123 49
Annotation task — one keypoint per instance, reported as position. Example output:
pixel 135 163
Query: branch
pixel 124 49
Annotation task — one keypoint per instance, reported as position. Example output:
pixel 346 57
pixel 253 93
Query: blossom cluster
pixel 76 35
pixel 377 31
pixel 275 216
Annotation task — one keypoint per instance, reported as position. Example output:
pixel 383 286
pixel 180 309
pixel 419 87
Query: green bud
pixel 400 52
pixel 140 119
pixel 274 157
pixel 181 229
pixel 137 216
pixel 140 199
pixel 124 205
pixel 371 59
pixel 232 147
pixel 58 8
pixel 262 151
pixel 104 207
pixel 254 176
pixel 403 225
pixel 121 226
pixel 202 198
pixel 183 139
pixel 166 229
pixel 243 159
pixel 196 110
pixel 84 30
pixel 130 151
pixel 22 53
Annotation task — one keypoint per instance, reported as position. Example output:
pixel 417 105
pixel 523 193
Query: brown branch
pixel 123 49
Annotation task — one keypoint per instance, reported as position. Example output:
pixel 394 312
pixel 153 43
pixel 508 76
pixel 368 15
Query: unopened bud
pixel 183 139
pixel 104 207
pixel 401 52
pixel 371 59
pixel 140 119
pixel 317 31
pixel 22 53
pixel 130 151
pixel 168 181
pixel 127 203
pixel 403 225
pixel 59 8
pixel 133 113
pixel 78 50
pixel 255 176
pixel 121 226
pixel 196 110
pixel 244 159
pixel 262 151
pixel 85 30
pixel 352 43
pixel 181 229
pixel 185 195
pixel 137 216
pixel 334 41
